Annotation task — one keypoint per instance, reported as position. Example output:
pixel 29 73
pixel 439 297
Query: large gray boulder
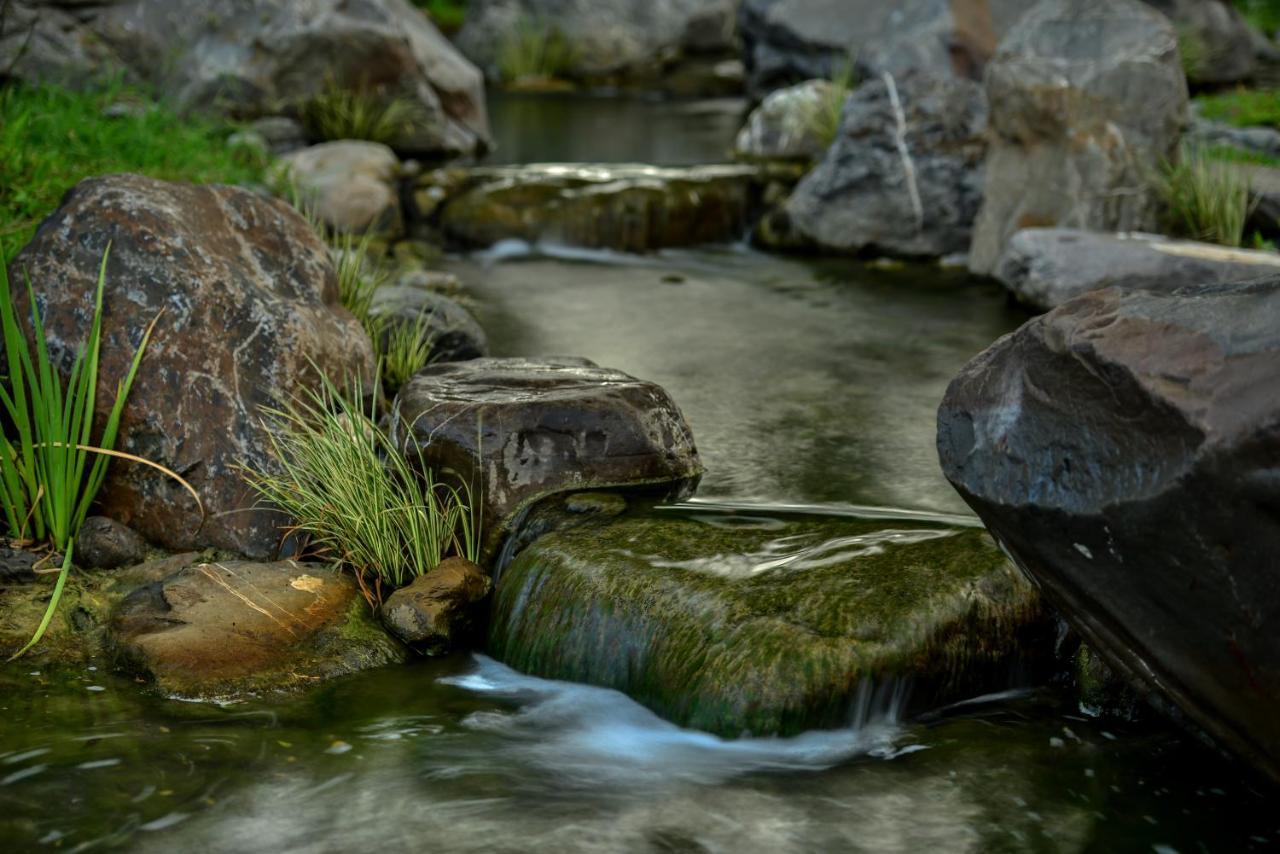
pixel 787 41
pixel 1045 267
pixel 256 57
pixel 904 176
pixel 1123 449
pixel 247 301
pixel 1087 99
pixel 606 41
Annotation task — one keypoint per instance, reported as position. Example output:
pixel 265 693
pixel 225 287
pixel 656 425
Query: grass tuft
pixel 534 50
pixel 53 138
pixel 1204 199
pixel 355 495
pixel 404 347
pixel 339 112
pixel 824 119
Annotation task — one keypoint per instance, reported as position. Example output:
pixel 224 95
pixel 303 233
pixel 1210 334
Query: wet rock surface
pixel 247 300
pixel 639 43
pixel 904 174
pixel 735 624
pixel 787 41
pixel 456 336
pixel 1217 37
pixel 1142 492
pixel 628 208
pixel 254 57
pixel 519 430
pixel 17 566
pixel 351 186
pixel 214 630
pixel 106 544
pixel 437 612
pixel 1045 267
pixel 1087 98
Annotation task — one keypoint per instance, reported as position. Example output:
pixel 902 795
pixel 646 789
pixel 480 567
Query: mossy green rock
pixel 735 624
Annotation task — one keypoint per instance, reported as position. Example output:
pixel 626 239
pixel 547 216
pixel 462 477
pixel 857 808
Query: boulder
pixel 247 302
pixel 787 41
pixel 40 43
pixel 256 57
pixel 1216 42
pixel 437 612
pixel 455 334
pixel 1123 449
pixel 606 42
pixel 519 430
pixel 1087 99
pixel 776 625
pixel 1045 267
pixel 106 544
pixel 351 186
pixel 786 125
pixel 628 208
pixel 904 174
pixel 219 630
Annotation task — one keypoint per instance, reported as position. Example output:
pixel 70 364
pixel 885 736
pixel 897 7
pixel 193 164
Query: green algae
pixel 736 624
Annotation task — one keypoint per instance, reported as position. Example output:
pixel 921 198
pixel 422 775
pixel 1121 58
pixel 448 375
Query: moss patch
pixel 736 624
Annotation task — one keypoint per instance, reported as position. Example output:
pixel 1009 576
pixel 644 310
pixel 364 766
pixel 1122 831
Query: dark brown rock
pixel 106 544
pixel 214 630
pixel 455 334
pixel 247 300
pixel 1123 448
pixel 520 430
pixel 437 613
pixel 17 566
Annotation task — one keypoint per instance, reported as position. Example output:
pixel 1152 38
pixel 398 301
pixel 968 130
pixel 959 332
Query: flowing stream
pixel 810 386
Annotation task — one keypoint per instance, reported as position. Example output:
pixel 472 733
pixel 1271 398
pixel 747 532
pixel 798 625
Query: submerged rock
pixel 248 309
pixel 213 630
pixel 1087 98
pixel 634 43
pixel 1123 449
pixel 904 174
pixel 787 41
pixel 436 613
pixel 630 208
pixel 351 186
pixel 737 624
pixel 519 430
pixel 106 544
pixel 1045 267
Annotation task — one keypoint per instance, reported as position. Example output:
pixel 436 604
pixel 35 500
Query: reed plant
pixel 51 467
pixel 354 494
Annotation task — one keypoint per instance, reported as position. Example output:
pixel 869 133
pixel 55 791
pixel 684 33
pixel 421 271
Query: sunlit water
pixel 465 755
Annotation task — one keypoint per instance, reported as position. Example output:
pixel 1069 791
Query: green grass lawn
pixel 51 138
pixel 1242 107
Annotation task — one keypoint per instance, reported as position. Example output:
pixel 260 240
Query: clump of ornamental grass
pixel 341 112
pixel 51 466
pixel 359 277
pixel 1204 199
pixel 404 347
pixel 534 50
pixel 355 495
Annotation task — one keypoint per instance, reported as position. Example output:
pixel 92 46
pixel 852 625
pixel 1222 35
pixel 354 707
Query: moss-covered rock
pixel 734 623
pixel 624 207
